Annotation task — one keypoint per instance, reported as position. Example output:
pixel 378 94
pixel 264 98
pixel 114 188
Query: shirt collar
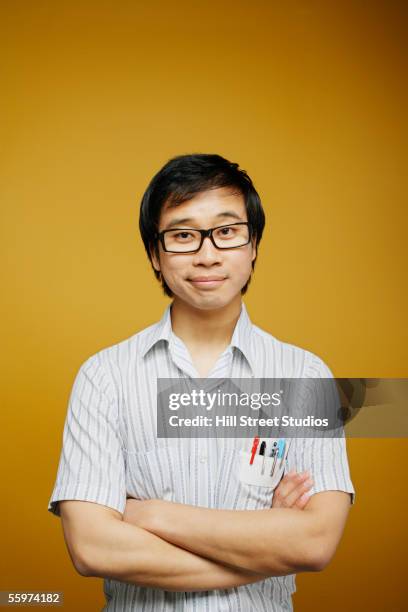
pixel 241 338
pixel 161 331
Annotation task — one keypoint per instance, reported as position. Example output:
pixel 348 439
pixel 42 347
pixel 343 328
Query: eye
pixel 226 232
pixel 183 235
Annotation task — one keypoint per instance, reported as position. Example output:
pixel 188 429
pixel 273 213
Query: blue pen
pixel 281 451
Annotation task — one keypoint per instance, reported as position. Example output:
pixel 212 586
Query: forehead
pixel 211 207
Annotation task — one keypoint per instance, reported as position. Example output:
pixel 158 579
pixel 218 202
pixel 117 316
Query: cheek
pixel 173 267
pixel 242 265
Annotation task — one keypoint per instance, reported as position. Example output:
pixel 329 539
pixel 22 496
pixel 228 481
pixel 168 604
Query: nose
pixel 208 255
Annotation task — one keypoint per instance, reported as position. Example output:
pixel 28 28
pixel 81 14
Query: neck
pixel 205 328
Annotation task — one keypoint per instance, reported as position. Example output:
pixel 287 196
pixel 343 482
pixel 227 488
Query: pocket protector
pixel 264 471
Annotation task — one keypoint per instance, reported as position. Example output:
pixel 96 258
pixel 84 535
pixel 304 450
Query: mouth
pixel 207 282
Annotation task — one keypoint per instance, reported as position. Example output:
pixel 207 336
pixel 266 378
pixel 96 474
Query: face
pixel 210 278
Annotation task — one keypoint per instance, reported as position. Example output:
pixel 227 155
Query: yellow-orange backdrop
pixel 309 97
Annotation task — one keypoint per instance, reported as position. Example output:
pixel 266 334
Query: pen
pixel 262 452
pixel 285 454
pixel 274 454
pixel 281 451
pixel 254 447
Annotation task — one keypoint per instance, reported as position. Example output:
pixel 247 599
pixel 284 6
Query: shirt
pixel 111 451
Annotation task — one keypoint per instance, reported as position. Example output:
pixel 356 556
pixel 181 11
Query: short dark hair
pixel 185 176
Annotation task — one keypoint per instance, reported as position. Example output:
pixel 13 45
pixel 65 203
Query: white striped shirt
pixel 110 450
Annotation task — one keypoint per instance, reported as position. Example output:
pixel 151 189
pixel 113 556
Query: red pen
pixel 254 447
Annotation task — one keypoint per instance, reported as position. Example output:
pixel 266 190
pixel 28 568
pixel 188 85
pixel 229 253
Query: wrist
pixel 141 513
pixel 151 515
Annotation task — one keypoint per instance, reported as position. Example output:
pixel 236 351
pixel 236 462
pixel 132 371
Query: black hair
pixel 185 176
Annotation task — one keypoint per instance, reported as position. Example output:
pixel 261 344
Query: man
pixel 168 523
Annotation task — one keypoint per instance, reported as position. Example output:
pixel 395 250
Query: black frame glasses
pixel 205 233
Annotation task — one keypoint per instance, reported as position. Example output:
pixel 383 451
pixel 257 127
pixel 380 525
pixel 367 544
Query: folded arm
pixel 277 542
pixel 101 544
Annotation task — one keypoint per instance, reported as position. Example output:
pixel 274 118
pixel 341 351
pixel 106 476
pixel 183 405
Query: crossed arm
pixel 188 548
pixel 273 543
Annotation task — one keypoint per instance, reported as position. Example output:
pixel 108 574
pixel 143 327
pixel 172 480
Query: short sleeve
pixel 91 466
pixel 324 458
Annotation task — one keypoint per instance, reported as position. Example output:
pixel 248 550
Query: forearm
pixel 131 554
pixel 275 542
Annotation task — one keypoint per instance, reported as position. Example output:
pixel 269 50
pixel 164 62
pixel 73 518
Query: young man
pixel 169 523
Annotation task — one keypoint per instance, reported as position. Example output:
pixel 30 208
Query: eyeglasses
pixel 185 240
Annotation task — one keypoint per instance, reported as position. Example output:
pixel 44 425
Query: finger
pixel 288 476
pixel 292 478
pixel 285 481
pixel 302 501
pixel 293 497
pixel 286 487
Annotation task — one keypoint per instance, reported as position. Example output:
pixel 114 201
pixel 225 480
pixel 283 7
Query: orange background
pixel 310 98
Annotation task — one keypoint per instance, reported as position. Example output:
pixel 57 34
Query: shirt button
pixel 203 458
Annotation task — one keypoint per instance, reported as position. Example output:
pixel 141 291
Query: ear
pixel 155 259
pixel 254 249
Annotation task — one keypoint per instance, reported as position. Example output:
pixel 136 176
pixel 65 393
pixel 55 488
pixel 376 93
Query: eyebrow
pixel 229 214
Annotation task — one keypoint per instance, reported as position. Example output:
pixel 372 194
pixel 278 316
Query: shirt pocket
pixel 256 482
pixel 158 473
pixel 264 471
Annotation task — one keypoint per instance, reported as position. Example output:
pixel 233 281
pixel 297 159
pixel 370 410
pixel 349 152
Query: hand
pixel 293 491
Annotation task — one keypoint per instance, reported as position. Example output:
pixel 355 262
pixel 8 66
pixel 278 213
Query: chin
pixel 210 302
